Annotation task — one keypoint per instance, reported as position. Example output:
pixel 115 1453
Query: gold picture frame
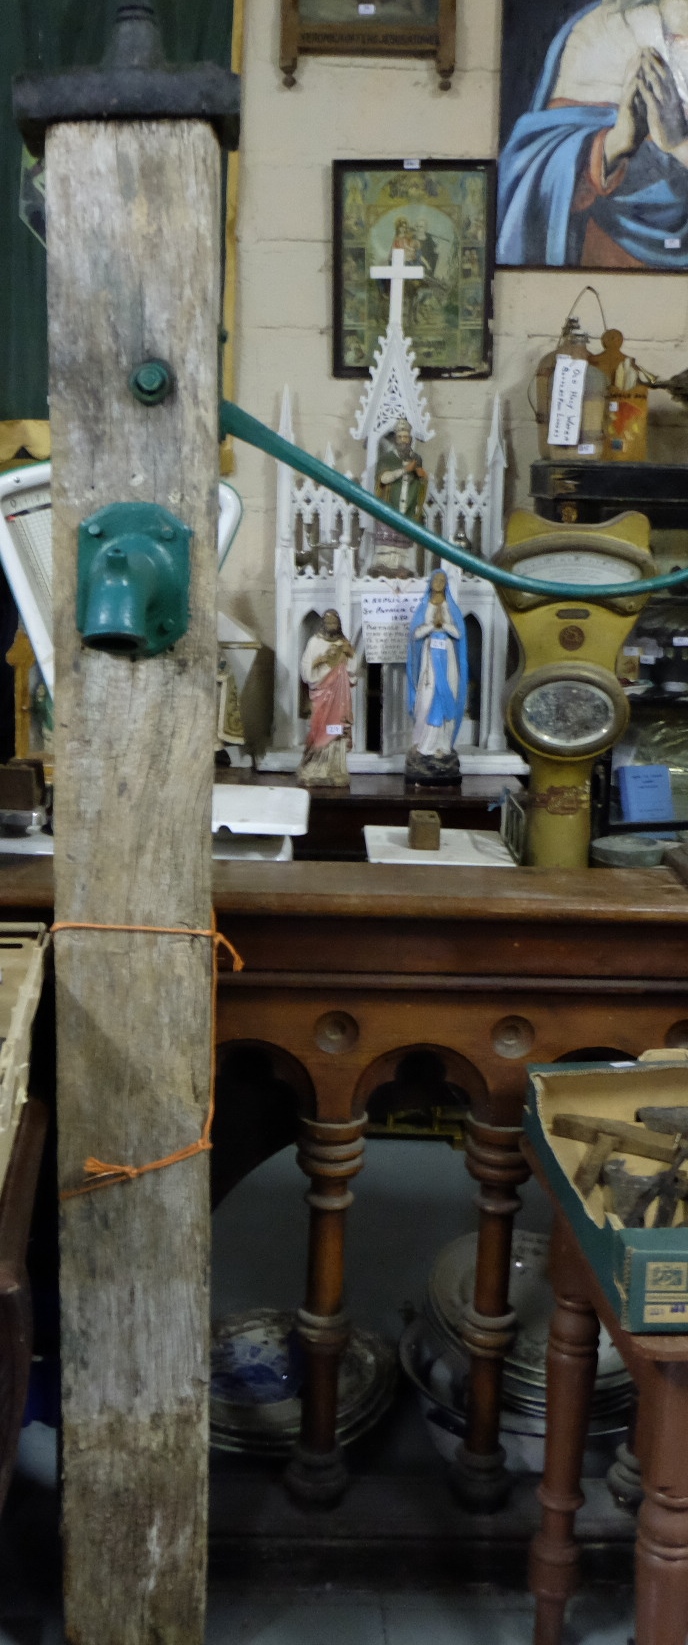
pixel 369 28
pixel 442 212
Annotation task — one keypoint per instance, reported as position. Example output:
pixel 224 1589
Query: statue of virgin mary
pixel 437 677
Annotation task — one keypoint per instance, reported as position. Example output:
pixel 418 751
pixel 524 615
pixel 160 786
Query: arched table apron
pixel 347 969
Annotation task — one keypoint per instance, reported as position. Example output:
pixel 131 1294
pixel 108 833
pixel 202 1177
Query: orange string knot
pixel 102 1175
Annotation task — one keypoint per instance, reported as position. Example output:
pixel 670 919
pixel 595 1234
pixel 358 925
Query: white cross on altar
pixel 396 275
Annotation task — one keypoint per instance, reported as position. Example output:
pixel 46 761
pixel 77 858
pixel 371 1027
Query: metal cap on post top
pixel 133 82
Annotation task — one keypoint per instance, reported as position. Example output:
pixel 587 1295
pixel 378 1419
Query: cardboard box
pixel 643 1271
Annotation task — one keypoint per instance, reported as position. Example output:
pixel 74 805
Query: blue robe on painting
pixel 539 170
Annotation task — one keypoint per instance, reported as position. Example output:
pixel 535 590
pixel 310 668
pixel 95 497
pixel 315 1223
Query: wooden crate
pixel 23 950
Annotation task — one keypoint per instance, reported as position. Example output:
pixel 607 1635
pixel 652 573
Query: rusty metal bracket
pixel 133 82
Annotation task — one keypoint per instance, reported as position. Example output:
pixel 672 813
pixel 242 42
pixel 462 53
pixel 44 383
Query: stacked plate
pixel 450 1288
pixel 256 1368
pixel 433 1357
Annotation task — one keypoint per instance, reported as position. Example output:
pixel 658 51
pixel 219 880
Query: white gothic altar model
pixel 325 548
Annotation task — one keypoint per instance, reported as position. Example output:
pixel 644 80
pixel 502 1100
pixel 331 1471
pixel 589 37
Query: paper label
pixel 567 401
pixel 586 451
pixel 366 11
pixel 386 622
pixel 680 639
pixel 665 1313
pixel 437 643
pixel 412 165
pixel 672 243
pixel 334 730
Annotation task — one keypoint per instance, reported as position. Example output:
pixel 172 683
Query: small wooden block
pixel 18 788
pixel 590 1168
pixel 424 831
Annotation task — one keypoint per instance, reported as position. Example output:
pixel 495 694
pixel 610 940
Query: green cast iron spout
pixel 120 587
pixel 132 580
pixel 235 421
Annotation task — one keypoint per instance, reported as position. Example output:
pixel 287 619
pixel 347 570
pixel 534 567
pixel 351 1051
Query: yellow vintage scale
pixel 567 706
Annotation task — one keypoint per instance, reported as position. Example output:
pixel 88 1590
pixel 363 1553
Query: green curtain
pixel 46 35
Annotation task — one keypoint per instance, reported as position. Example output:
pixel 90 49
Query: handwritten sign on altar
pixel 386 622
pixel 567 401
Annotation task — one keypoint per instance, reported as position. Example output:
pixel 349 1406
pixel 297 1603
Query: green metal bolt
pixel 151 381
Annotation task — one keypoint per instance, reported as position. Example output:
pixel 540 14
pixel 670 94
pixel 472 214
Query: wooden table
pixel 348 966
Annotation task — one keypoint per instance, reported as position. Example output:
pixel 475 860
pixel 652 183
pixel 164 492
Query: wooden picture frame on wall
pixel 442 213
pixel 369 28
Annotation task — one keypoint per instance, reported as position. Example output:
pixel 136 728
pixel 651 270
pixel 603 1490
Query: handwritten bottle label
pixel 566 409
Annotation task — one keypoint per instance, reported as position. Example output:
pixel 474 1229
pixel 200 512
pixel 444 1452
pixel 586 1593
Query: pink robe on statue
pixel 331 707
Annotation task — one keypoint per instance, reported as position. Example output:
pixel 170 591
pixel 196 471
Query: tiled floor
pixel 345 1617
pixel 339 1616
pixel 334 1616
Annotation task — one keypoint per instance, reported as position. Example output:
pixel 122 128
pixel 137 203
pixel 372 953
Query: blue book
pixel 645 794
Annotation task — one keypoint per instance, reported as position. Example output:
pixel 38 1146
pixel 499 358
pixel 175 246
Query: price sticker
pixel 437 643
pixel 672 243
pixel 412 165
pixel 334 730
pixel 366 11
pixel 586 451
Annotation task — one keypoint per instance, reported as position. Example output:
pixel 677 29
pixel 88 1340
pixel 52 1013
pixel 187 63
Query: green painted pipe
pixel 235 421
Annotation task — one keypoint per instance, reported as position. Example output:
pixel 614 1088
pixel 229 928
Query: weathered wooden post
pixel 133 186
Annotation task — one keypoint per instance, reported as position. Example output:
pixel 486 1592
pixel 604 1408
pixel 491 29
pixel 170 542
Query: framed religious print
pixel 369 28
pixel 593 168
pixel 440 214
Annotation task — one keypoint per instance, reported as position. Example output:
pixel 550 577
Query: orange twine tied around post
pixel 102 1174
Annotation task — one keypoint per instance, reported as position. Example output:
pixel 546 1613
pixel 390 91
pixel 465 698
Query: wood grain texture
pixel 133 241
pixel 609 896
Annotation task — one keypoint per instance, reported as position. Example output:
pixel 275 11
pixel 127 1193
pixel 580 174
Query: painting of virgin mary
pixel 593 170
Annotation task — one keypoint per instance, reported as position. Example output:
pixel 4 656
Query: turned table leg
pixel 624 1478
pixel 330 1153
pixel 662 1540
pixel 493 1157
pixel 571 1370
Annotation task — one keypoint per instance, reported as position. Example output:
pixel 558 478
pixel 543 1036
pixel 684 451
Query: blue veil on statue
pixel 437 692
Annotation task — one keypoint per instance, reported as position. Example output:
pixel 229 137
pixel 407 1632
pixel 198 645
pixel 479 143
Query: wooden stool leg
pixel 493 1157
pixel 571 1369
pixel 662 1542
pixel 330 1154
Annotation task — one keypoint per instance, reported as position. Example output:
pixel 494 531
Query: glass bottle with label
pixel 585 434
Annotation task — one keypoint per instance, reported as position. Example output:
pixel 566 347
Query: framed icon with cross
pixel 414 247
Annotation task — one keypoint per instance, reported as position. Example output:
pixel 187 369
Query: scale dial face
pixel 578 565
pixel 568 715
